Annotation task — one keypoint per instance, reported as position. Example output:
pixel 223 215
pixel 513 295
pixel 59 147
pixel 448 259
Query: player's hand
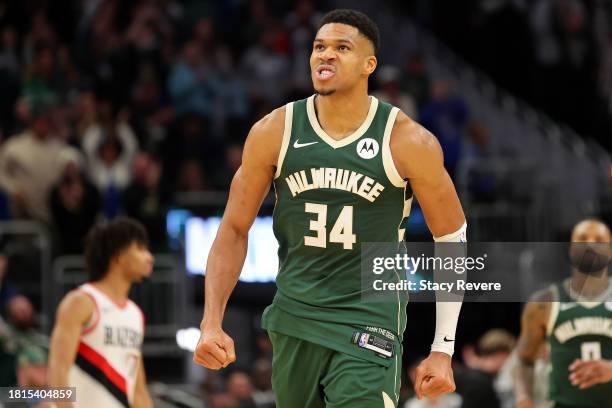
pixel 585 374
pixel 215 349
pixel 526 404
pixel 434 376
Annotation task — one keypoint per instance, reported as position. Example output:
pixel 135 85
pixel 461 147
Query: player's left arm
pixel 418 158
pixel 142 399
pixel 585 374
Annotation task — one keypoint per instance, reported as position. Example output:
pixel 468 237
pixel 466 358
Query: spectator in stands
pixel 263 396
pixel 478 382
pixel 84 113
pixel 302 26
pixel 145 200
pixel 494 350
pixel 188 140
pixel 42 76
pixel 389 90
pixel 151 112
pixel 191 178
pixel 74 203
pixel 264 345
pixel 233 160
pixel 415 81
pixel 109 146
pixel 446 116
pixel 19 335
pixel 10 65
pixel 30 164
pixel 482 183
pixel 231 96
pixel 269 81
pixel 9 55
pixel 189 83
pixel 240 389
pixel 41 32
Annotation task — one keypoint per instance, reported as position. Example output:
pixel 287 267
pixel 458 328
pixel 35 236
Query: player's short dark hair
pixel 107 240
pixel 356 19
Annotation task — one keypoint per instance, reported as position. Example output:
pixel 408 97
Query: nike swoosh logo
pixel 297 144
pixel 448 340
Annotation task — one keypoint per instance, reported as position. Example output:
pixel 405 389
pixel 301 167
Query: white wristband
pixel 447 313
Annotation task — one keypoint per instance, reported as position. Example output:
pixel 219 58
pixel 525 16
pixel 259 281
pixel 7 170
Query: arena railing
pixel 28 245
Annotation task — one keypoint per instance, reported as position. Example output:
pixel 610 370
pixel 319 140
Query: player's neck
pixel 340 114
pixel 589 285
pixel 115 287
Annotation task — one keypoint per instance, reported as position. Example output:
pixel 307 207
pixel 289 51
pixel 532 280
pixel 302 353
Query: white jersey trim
pixel 392 173
pixel 94 319
pixel 554 310
pixel 314 122
pixel 286 137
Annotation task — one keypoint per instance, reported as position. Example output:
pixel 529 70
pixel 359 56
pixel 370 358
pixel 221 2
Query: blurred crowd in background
pixel 111 107
pixel 555 54
pixel 114 107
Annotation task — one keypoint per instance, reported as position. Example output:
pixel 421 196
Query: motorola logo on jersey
pixel 367 148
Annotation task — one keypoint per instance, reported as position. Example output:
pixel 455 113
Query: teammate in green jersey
pixel 344 168
pixel 575 318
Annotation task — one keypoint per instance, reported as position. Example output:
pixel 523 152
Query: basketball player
pixel 575 318
pixel 96 341
pixel 344 167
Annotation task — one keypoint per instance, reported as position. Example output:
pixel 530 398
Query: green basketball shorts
pixel 308 375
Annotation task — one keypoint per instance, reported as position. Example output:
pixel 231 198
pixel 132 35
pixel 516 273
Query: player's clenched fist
pixel 434 376
pixel 215 349
pixel 525 404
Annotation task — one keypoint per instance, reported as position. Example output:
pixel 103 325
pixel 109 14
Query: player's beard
pixel 589 258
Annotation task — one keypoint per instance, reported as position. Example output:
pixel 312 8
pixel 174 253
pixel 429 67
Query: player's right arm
pixel 249 187
pixel 73 313
pixel 533 336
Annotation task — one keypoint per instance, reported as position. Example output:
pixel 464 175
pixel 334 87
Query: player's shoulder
pixel 538 308
pixel 414 149
pixel 271 125
pixel 407 132
pixel 77 302
pixel 266 137
pixel 545 295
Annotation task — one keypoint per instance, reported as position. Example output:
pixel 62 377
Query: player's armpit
pixel 533 336
pixel 142 399
pixel 418 157
pixel 73 313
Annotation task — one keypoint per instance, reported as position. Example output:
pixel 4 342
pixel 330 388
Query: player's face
pixel 591 231
pixel 591 250
pixel 136 262
pixel 341 57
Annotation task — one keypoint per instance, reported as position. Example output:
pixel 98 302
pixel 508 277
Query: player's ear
pixel 370 65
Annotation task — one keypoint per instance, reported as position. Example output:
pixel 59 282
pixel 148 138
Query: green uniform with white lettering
pixel 579 330
pixel 331 348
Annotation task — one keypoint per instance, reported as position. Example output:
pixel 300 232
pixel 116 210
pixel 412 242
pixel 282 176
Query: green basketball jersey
pixel 332 196
pixel 579 329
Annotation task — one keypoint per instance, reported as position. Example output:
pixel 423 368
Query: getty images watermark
pixel 410 265
pixel 475 271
